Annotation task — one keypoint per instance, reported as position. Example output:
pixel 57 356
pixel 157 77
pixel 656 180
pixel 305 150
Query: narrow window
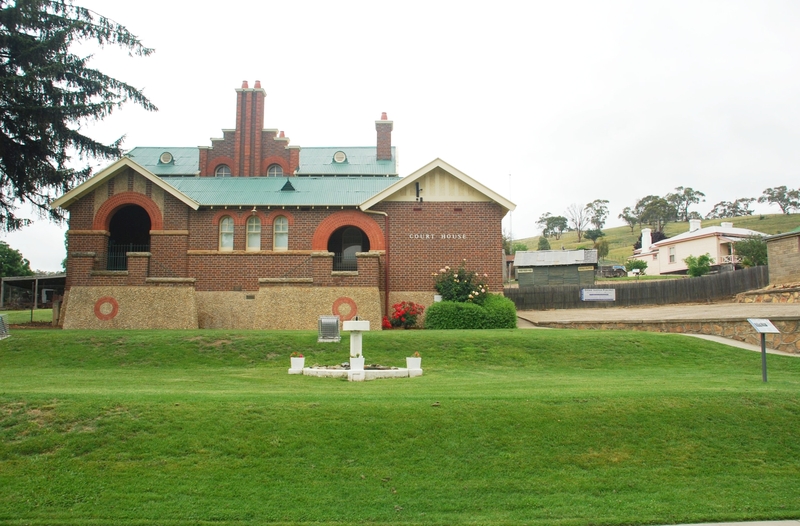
pixel 672 254
pixel 281 233
pixel 274 170
pixel 226 233
pixel 223 170
pixel 253 233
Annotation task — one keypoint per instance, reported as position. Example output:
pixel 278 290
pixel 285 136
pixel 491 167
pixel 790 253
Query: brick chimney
pixel 249 123
pixel 384 128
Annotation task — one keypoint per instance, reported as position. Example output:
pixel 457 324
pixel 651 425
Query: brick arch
pixel 348 218
pixel 222 213
pixel 247 215
pixel 274 159
pixel 102 220
pixel 211 166
pixel 285 213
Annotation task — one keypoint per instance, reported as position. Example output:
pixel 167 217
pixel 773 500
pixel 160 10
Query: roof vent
pixel 339 157
pixel 165 158
pixel 288 187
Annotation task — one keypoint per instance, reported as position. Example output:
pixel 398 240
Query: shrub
pixel 753 251
pixel 633 264
pixel 698 266
pixel 497 312
pixel 544 244
pixel 461 285
pixel 405 314
pixel 501 313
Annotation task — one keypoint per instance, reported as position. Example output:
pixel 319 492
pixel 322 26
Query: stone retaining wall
pixel 741 330
pixel 788 295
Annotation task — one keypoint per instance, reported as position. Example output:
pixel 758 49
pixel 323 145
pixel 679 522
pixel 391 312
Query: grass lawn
pixel 531 427
pixel 20 317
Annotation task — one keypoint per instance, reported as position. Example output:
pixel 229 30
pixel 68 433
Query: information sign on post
pixel 763 327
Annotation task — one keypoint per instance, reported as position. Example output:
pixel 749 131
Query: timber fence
pixel 724 285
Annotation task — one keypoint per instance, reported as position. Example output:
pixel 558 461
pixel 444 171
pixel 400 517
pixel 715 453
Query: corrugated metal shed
pixel 550 258
pixel 361 160
pixel 269 191
pixel 185 161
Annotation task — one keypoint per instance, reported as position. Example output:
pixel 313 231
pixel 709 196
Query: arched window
pixel 280 230
pixel 345 243
pixel 226 233
pixel 253 233
pixel 223 170
pixel 275 170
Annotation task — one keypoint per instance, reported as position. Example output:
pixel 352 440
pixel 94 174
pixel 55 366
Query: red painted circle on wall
pixel 345 301
pixel 106 308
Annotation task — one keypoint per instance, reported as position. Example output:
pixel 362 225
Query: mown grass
pixel 22 317
pixel 531 427
pixel 621 239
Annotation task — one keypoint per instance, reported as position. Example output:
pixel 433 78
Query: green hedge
pixel 497 312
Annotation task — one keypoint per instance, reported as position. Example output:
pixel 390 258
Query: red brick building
pixel 253 232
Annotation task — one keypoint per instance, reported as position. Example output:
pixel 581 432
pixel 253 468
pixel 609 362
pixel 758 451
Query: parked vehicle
pixel 612 271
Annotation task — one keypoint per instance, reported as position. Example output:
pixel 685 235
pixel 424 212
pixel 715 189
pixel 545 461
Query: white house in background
pixel 666 256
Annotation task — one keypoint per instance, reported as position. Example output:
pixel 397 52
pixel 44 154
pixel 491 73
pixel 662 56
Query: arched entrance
pixel 129 231
pixel 345 242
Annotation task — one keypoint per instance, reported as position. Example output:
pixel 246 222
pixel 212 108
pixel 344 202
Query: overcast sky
pixel 547 103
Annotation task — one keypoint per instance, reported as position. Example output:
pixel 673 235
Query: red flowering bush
pixel 405 314
pixel 386 324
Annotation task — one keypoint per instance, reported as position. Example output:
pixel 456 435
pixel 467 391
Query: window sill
pixel 285 280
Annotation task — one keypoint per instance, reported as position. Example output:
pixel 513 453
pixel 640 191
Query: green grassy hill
pixel 621 239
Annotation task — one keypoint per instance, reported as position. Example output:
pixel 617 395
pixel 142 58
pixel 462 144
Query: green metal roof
pixel 274 191
pixel 185 161
pixel 361 160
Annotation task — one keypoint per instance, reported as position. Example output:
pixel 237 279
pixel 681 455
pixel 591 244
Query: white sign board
pixel 763 326
pixel 598 295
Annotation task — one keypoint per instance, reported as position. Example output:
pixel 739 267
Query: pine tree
pixel 47 93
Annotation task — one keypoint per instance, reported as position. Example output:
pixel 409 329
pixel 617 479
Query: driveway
pixel 694 312
pixel 685 312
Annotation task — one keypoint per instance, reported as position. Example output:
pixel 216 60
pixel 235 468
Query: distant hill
pixel 621 240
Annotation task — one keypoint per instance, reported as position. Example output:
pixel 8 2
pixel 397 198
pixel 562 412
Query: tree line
pixel 656 211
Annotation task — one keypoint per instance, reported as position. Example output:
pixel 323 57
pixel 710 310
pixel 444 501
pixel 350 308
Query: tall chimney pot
pixel 647 239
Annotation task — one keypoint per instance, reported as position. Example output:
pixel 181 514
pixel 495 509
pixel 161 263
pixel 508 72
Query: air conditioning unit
pixel 328 329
